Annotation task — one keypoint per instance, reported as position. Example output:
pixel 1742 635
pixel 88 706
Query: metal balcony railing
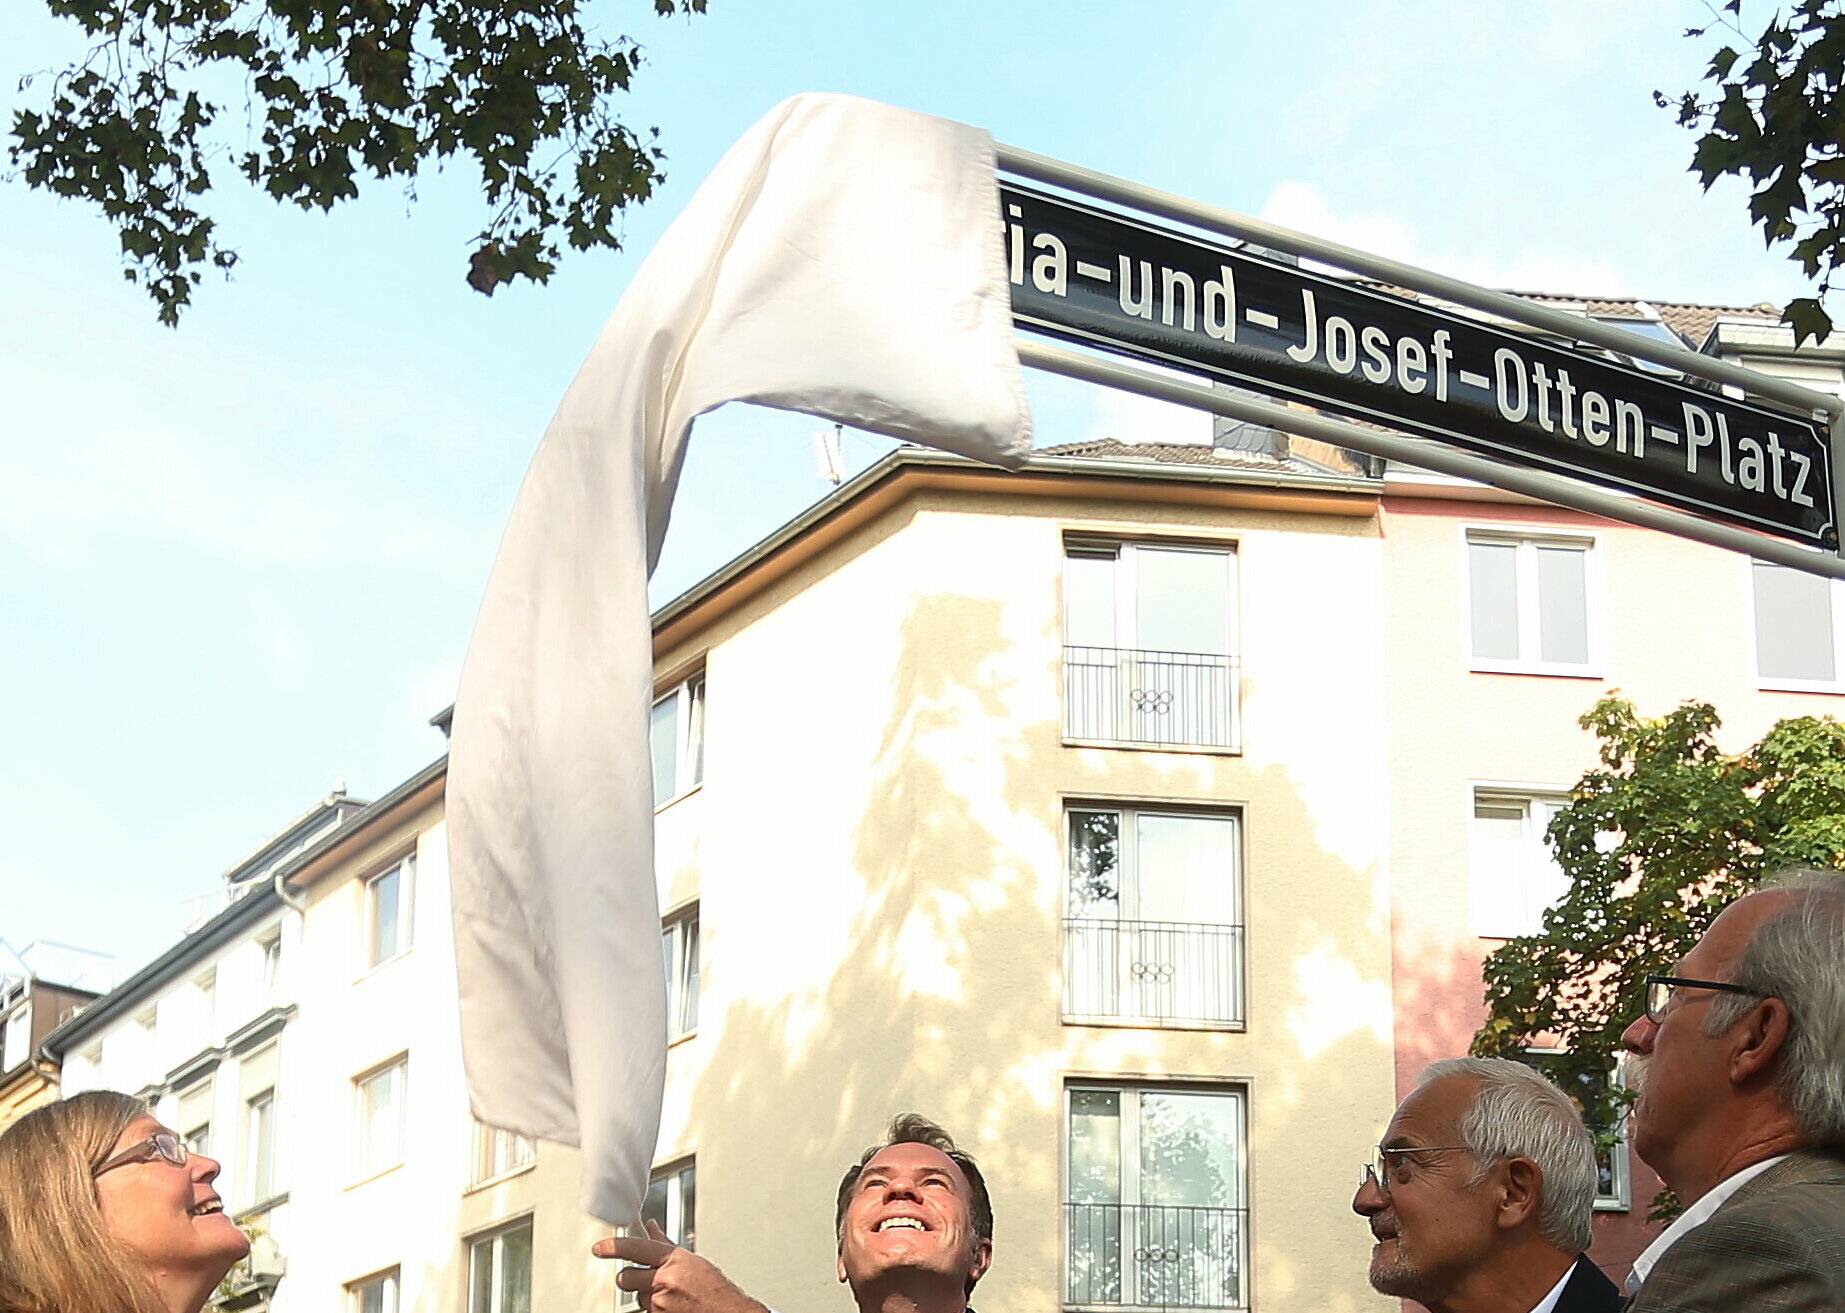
pixel 1129 695
pixel 1153 1256
pixel 1160 971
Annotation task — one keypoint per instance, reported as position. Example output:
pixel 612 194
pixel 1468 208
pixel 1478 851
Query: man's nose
pixel 207 1169
pixel 1638 1037
pixel 1370 1199
pixel 900 1189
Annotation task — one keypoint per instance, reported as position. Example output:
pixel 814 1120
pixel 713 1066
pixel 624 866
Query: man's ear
pixel 839 1264
pixel 1521 1189
pixel 983 1259
pixel 1758 1039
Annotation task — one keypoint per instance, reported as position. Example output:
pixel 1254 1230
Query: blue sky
pixel 240 560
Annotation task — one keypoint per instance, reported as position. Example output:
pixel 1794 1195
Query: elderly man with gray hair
pixel 1481 1195
pixel 1740 1063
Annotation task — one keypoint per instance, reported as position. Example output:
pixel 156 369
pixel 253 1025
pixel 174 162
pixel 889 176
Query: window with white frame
pixel 1153 924
pixel 1799 623
pixel 1529 602
pixel 498 1152
pixel 192 1119
pixel 259 1145
pixel 1514 874
pixel 671 1203
pixel 375 1294
pixel 500 1270
pixel 679 943
pixel 1150 643
pixel 381 1101
pixel 257 1078
pixel 16 1042
pixel 1154 1213
pixel 271 947
pixel 1612 1188
pixel 387 900
pixel 676 736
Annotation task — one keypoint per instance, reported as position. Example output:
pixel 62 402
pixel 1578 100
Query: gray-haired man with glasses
pixel 1740 1065
pixel 1481 1194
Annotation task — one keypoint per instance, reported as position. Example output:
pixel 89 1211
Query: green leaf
pixel 1808 319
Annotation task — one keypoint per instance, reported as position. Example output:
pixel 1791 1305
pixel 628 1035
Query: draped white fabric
pixel 843 259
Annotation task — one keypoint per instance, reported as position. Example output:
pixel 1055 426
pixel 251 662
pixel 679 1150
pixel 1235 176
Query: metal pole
pixel 1559 489
pixel 1043 168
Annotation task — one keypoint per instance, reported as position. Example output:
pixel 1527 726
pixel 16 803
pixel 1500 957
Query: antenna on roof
pixel 832 465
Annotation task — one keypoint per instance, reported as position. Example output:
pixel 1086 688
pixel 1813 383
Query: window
pixel 1154 1214
pixel 272 961
pixel 1149 644
pixel 671 1204
pixel 1529 603
pixel 677 736
pixel 375 1294
pixel 500 1270
pixel 1514 874
pixel 381 1117
pixel 1153 923
pixel 1612 1191
pixel 387 896
pixel 259 1145
pixel 16 1042
pixel 498 1152
pixel 1797 622
pixel 679 942
pixel 193 1119
pixel 257 1078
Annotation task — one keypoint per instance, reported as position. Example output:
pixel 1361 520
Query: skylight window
pixel 1652 329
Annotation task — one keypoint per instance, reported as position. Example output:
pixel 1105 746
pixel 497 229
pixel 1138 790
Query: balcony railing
pixel 1171 699
pixel 1153 1256
pixel 1161 971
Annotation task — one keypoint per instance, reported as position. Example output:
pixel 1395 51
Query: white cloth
pixel 843 259
pixel 1693 1217
pixel 1549 1302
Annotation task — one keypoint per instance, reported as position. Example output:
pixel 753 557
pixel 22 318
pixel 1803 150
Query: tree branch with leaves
pixel 1657 838
pixel 1773 112
pixel 334 91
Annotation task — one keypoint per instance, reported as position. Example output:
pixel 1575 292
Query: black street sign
pixel 1089 276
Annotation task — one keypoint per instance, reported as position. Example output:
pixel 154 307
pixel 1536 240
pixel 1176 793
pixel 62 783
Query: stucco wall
pixel 877 850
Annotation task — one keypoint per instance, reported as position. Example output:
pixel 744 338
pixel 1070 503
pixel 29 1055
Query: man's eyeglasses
pixel 164 1146
pixel 1659 992
pixel 1377 1171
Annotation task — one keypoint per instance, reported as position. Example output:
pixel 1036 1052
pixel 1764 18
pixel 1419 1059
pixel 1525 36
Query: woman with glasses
pixel 103 1210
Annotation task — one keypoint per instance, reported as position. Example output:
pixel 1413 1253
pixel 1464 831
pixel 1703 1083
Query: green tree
pixel 1772 110
pixel 1656 839
pixel 333 90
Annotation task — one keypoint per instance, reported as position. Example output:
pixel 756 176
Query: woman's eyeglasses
pixel 164 1145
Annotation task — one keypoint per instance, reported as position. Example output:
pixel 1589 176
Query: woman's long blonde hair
pixel 56 1256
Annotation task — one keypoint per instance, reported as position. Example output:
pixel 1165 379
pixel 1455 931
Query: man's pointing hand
pixel 668 1279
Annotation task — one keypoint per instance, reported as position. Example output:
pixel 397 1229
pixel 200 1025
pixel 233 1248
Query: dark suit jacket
pixel 1588 1290
pixel 1775 1246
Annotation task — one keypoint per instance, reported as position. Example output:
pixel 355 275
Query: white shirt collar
pixel 1549 1302
pixel 1692 1218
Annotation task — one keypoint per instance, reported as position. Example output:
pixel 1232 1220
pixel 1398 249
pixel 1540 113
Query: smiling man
pixel 912 1219
pixel 1481 1196
pixel 1740 1062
